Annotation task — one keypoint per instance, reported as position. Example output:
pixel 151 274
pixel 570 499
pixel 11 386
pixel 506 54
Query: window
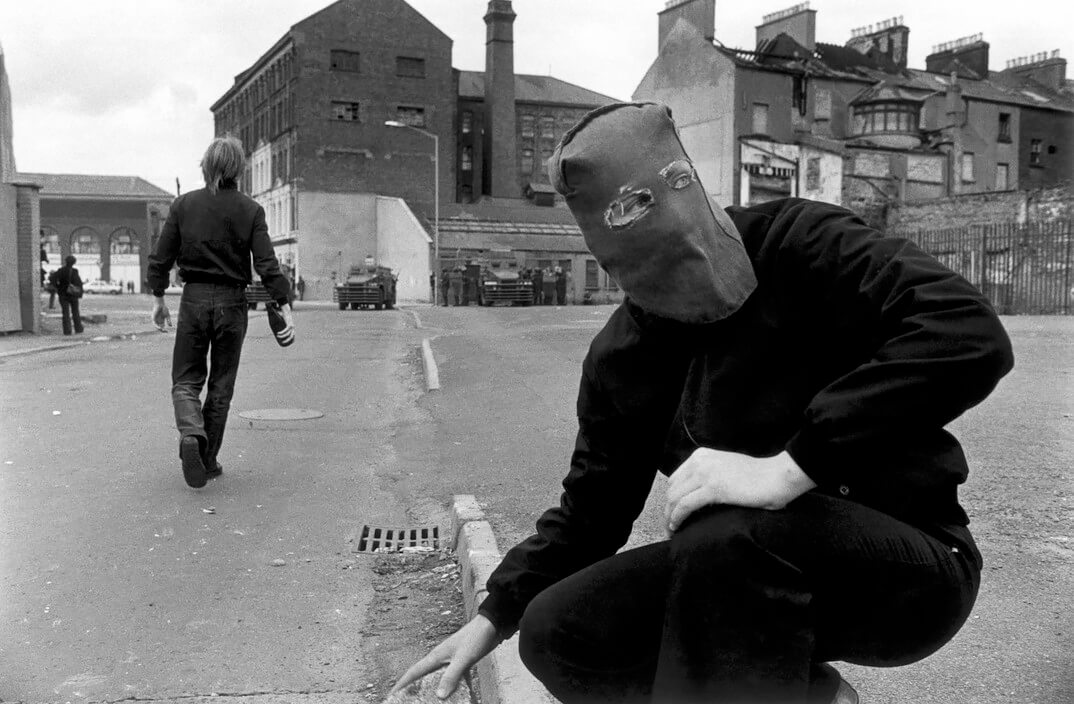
pixel 592 276
pixel 813 173
pixel 345 111
pixel 415 117
pixel 527 125
pixel 1034 152
pixel 410 67
pixel 1002 177
pixel 467 122
pixel 967 167
pixel 546 156
pixel 822 106
pixel 799 95
pixel 527 161
pixel 760 118
pixel 467 159
pixel 548 127
pixel 1004 127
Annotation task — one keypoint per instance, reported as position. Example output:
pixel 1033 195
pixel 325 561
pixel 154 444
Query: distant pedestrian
pixel 561 286
pixel 444 286
pixel 538 286
pixel 301 288
pixel 69 289
pixel 130 286
pixel 51 288
pixel 213 309
pixel 44 261
pixel 456 281
pixel 548 287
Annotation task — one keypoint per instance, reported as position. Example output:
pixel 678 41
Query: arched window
pixel 123 240
pixel 84 240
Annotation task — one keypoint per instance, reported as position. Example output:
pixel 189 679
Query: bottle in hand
pixel 279 325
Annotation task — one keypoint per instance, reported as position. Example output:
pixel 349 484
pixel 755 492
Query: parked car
pixel 112 287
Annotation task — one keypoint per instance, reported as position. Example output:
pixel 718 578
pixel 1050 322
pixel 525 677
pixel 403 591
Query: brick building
pixel 110 223
pixel 853 124
pixel 311 112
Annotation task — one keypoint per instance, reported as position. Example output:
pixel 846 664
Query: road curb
pixel 501 676
pixel 80 343
pixel 432 374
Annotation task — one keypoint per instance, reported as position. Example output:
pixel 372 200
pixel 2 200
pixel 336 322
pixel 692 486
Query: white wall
pixel 339 230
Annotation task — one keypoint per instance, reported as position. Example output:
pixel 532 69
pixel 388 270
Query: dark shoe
pixel 193 467
pixel 213 470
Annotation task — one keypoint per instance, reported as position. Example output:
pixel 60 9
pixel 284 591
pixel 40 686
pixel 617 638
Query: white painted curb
pixel 432 374
pixel 502 678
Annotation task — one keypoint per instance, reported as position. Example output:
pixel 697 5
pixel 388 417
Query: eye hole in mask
pixel 628 208
pixel 678 174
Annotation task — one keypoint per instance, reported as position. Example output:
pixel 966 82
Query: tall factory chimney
pixel 501 177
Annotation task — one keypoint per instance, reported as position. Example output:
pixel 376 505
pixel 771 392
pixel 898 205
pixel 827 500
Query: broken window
pixel 345 111
pixel 413 116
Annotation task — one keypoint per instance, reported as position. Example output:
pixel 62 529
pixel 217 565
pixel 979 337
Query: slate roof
pixel 96 187
pixel 475 233
pixel 535 89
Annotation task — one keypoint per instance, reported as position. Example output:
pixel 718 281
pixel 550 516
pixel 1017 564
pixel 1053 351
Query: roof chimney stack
pixel 798 22
pixel 700 13
pixel 499 138
pixel 1046 68
pixel 967 56
pixel 889 38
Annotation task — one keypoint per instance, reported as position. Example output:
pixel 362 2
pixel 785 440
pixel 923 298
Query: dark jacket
pixel 211 238
pixel 64 277
pixel 852 354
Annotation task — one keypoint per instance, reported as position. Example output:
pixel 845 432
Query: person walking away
pixel 51 288
pixel 69 290
pixel 301 288
pixel 211 234
pixel 561 286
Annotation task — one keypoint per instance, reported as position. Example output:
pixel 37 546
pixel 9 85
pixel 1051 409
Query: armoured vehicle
pixel 501 281
pixel 366 286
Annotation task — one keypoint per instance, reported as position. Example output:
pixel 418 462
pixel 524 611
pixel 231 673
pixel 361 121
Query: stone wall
pixel 1046 204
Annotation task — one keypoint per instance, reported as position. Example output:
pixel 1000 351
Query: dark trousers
pixel 211 328
pixel 69 314
pixel 744 605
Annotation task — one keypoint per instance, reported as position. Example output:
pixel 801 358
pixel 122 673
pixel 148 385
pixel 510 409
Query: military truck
pixel 366 286
pixel 501 281
pixel 256 293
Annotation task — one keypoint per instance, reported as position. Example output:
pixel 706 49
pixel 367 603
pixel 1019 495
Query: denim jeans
pixel 70 314
pixel 208 343
pixel 745 605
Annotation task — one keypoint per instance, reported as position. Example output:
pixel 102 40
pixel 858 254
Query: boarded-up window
pixel 410 67
pixel 968 170
pixel 592 274
pixel 925 169
pixel 345 111
pixel 341 60
pixel 822 106
pixel 870 164
pixel 760 118
pixel 813 173
pixel 1002 177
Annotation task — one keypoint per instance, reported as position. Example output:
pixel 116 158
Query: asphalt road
pixel 505 425
pixel 117 580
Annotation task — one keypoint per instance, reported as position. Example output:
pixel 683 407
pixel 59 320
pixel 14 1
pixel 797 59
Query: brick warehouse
pixel 338 184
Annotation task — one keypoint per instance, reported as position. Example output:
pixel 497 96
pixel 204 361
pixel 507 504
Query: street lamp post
pixel 436 202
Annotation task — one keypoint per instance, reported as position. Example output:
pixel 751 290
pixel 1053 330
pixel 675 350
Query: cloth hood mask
pixel 646 217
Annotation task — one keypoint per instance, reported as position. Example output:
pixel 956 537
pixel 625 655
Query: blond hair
pixel 224 160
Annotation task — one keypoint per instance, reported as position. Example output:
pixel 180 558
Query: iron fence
pixel 1025 269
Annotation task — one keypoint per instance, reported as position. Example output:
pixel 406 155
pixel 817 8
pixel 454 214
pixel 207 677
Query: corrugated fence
pixel 1025 269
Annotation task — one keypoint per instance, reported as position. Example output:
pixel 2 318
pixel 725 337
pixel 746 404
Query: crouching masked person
pixel 791 370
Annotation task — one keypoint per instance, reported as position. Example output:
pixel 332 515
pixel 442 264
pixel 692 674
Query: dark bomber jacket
pixel 852 354
pixel 211 238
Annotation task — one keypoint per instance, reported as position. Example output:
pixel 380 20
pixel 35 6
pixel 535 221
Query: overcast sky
pixel 124 86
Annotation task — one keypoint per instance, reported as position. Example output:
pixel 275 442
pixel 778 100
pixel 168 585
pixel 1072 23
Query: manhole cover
pixel 281 414
pixel 420 539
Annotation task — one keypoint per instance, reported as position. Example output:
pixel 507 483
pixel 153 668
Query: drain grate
pixel 376 539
